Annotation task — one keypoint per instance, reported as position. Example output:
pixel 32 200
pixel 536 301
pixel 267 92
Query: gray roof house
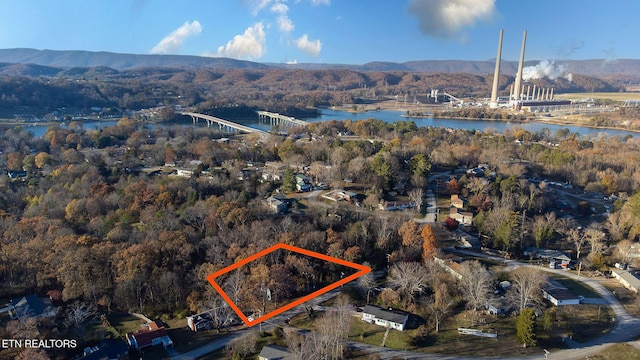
pixel 31 306
pixel 387 317
pixel 627 279
pixel 559 297
pixel 273 352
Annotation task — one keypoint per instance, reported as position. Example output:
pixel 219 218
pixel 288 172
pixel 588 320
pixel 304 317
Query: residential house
pixel 30 306
pixel 273 352
pixel 303 183
pixel 200 322
pixel 627 279
pixel 387 317
pixel 395 205
pixel 273 171
pixel 347 195
pixel 467 240
pixel 17 174
pixel 184 173
pixel 450 265
pixel 458 202
pixel 275 205
pixel 557 259
pixel 150 335
pixel 499 306
pixel 463 217
pixel 560 296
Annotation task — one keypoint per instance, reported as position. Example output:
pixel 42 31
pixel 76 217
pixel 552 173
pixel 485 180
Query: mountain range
pixel 33 62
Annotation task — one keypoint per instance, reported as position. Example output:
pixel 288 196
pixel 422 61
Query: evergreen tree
pixel 525 327
pixel 289 180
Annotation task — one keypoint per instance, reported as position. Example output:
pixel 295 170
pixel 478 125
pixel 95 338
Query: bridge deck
pixel 224 122
pixel 283 117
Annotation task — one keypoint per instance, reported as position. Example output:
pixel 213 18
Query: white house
pixel 387 317
pixel 560 297
pixel 463 217
pixel 627 279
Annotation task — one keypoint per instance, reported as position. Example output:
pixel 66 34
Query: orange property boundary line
pixel 211 278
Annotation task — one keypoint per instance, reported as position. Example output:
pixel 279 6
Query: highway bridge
pixel 222 123
pixel 280 120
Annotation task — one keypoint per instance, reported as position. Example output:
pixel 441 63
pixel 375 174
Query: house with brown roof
pixel 150 334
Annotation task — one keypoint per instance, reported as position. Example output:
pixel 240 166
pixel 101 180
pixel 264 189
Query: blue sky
pixel 328 31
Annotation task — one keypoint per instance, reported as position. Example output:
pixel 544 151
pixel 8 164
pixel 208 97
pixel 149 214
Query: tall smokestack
pixel 534 93
pixel 496 74
pixel 520 66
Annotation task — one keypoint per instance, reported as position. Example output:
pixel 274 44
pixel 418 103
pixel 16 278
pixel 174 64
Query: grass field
pixel 125 323
pixel 617 352
pixel 628 299
pixel 576 287
pixel 615 96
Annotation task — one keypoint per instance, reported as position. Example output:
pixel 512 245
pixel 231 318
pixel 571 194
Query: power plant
pixel 518 98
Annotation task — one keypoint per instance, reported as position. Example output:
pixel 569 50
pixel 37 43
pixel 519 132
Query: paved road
pixel 432 207
pixel 266 326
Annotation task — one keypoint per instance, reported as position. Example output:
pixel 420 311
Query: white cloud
pixel 279 8
pixel 311 47
pixel 257 5
pixel 292 62
pixel 285 24
pixel 445 18
pixel 172 42
pixel 250 45
pixel 321 2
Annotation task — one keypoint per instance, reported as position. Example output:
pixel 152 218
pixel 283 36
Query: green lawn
pixel 373 334
pixel 576 287
pixel 125 322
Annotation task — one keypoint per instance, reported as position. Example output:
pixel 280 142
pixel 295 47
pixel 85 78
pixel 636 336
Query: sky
pixel 328 31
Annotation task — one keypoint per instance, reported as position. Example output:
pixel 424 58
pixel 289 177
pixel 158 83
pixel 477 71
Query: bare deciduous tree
pixel 410 279
pixel 415 196
pixel 525 288
pixel 367 282
pixel 476 284
pixel 576 238
pixel 441 304
pixel 595 236
pixel 78 314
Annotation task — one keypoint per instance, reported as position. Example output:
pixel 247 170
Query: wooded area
pixel 88 221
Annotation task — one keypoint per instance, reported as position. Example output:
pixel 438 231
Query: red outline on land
pixel 362 270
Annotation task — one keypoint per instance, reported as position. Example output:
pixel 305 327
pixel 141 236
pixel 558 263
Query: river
pixel 389 116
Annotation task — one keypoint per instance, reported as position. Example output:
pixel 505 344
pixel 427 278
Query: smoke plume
pixel 546 69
